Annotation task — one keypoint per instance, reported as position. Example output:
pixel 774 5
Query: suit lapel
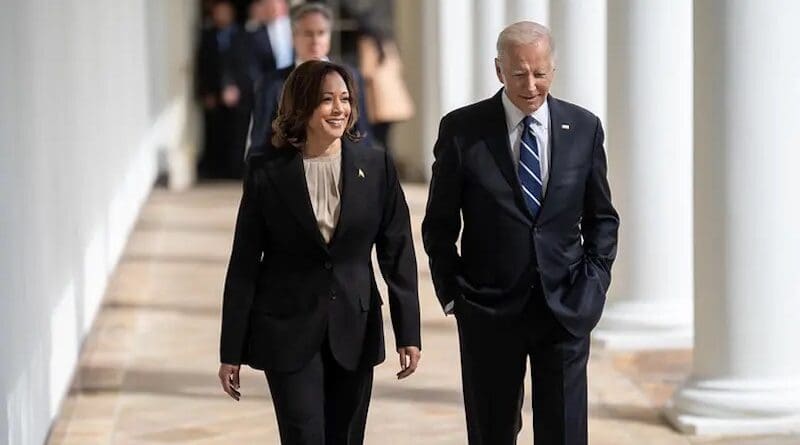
pixel 560 140
pixel 289 177
pixel 500 148
pixel 352 169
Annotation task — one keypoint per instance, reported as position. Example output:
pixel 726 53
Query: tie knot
pixel 527 121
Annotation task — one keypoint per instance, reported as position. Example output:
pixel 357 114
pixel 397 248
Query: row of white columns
pixel 700 102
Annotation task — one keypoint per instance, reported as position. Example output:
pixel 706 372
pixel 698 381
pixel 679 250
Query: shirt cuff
pixel 448 308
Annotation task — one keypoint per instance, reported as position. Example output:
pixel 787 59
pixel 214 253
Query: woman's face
pixel 330 118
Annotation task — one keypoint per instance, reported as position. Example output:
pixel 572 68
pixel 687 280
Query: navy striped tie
pixel 530 172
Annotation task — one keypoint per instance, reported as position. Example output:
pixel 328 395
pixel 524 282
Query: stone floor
pixel 148 369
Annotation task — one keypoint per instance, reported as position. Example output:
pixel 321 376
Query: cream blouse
pixel 323 178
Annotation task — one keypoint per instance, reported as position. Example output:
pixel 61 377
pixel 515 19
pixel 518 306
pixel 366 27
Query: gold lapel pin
pixel 361 173
pixel 565 126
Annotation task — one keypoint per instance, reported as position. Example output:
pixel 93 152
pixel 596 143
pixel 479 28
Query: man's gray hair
pixel 302 10
pixel 525 33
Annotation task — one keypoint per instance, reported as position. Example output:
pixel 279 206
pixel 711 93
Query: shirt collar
pixel 514 116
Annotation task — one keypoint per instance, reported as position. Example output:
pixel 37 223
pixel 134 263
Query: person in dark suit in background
pixel 226 91
pixel 311 36
pixel 373 19
pixel 300 299
pixel 270 33
pixel 527 173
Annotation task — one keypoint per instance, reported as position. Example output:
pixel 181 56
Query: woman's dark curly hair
pixel 302 93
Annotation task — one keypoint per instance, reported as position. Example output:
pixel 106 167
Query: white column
pixel 489 19
pixel 449 65
pixel 650 156
pixel 531 10
pixel 746 376
pixel 181 146
pixel 579 31
pixel 437 37
pixel 454 64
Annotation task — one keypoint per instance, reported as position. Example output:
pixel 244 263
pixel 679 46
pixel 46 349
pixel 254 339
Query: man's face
pixel 527 71
pixel 222 15
pixel 312 37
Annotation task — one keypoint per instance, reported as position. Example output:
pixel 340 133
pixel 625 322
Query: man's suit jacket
pixel 262 56
pixel 220 67
pixel 286 287
pixel 268 96
pixel 567 249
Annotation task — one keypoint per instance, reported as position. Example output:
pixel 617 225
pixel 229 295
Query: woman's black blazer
pixel 286 289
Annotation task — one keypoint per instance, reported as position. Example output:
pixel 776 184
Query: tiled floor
pixel 148 370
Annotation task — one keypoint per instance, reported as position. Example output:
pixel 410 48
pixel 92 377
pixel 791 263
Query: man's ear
pixel 498 71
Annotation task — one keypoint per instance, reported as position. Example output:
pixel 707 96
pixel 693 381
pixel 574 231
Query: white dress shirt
pixel 280 38
pixel 541 129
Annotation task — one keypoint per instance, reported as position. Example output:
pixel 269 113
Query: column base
pixel 706 426
pixel 735 408
pixel 631 325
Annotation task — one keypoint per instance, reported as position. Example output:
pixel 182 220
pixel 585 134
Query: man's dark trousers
pixel 494 352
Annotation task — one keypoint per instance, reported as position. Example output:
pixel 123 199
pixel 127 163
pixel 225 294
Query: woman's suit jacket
pixel 286 288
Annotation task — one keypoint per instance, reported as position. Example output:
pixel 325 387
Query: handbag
pixel 387 97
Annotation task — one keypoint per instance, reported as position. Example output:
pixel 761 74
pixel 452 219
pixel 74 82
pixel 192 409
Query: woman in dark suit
pixel 300 298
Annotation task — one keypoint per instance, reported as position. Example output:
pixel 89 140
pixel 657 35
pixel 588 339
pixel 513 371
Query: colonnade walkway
pixel 147 372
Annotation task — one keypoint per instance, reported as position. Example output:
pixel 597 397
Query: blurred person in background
pixel 311 35
pixel 225 91
pixel 253 17
pixel 270 32
pixel 374 19
pixel 206 6
pixel 300 299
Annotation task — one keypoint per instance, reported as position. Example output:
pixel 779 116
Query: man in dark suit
pixel 526 173
pixel 311 36
pixel 270 38
pixel 226 90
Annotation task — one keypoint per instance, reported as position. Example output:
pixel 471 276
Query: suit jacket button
pixel 328 265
